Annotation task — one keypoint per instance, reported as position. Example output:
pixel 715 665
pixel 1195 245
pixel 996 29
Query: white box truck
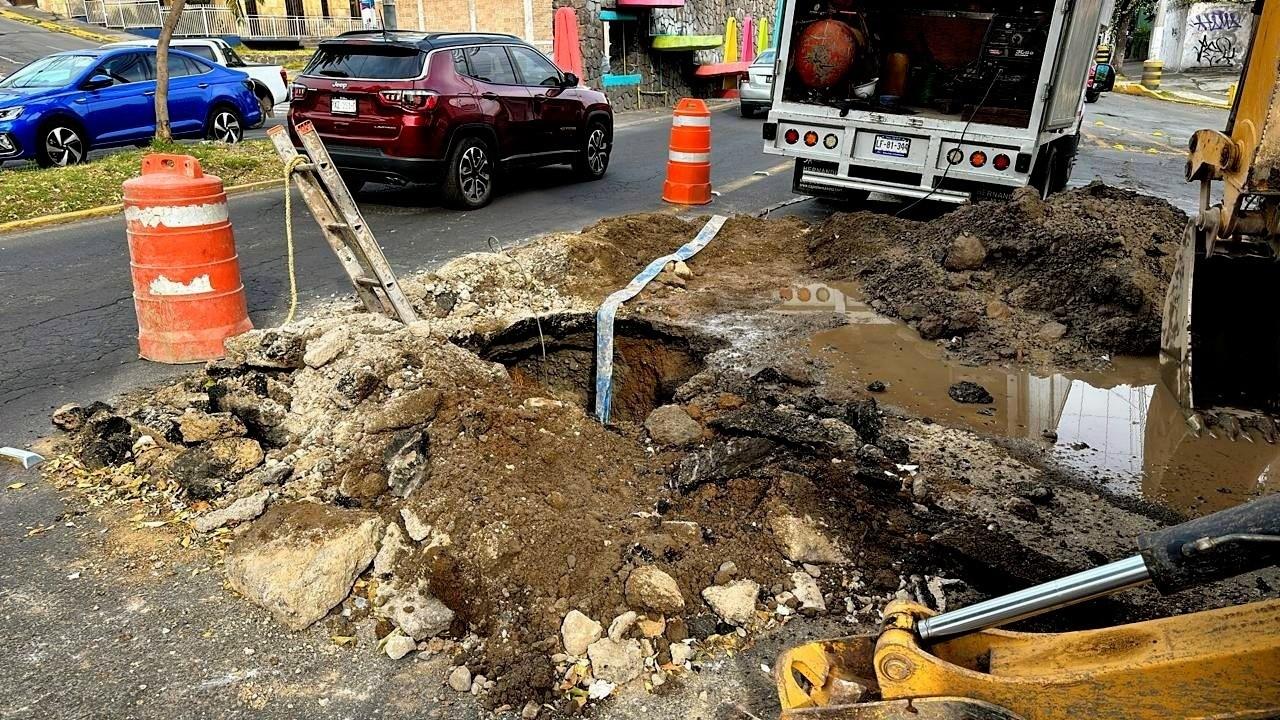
pixel 949 100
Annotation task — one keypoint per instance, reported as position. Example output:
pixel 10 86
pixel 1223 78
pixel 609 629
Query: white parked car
pixel 270 82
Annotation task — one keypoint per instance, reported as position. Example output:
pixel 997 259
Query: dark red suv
pixel 448 108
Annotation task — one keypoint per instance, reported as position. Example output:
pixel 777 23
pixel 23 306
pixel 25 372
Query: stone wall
pixel 667 75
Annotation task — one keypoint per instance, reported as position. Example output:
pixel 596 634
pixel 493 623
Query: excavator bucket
pixel 1220 342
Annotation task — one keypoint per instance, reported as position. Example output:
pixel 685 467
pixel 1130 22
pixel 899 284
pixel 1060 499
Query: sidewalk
pixel 1208 87
pixel 56 23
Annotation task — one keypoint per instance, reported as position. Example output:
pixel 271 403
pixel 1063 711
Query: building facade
pixel 1200 35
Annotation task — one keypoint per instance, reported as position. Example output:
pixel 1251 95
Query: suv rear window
pixel 376 63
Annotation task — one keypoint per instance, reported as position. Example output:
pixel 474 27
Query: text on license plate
pixel 891 145
pixel 344 105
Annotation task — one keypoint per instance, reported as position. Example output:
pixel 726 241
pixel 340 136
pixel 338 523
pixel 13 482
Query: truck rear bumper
pixel 808 181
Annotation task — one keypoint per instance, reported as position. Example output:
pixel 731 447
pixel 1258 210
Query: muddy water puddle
pixel 1120 428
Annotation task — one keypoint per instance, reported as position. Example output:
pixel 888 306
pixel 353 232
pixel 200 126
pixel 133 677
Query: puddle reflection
pixel 1120 427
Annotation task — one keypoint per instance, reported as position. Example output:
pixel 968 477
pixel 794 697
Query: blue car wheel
pixel 224 125
pixel 61 144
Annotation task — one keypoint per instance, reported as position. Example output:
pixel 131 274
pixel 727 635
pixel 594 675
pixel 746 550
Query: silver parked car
pixel 755 91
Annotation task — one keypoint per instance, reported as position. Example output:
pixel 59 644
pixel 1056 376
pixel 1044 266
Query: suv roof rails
pixel 423 39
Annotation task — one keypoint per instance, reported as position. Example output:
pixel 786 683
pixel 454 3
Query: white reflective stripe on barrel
pixel 690 121
pixel 688 157
pixel 177 216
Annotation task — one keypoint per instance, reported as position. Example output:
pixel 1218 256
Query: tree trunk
pixel 1122 38
pixel 163 133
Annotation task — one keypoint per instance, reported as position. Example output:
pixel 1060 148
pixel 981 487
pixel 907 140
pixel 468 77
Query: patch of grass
pixel 29 192
pixel 292 60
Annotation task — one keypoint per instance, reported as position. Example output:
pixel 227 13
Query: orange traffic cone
pixel 689 158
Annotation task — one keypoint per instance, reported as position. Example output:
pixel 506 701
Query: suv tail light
pixel 284 77
pixel 297 91
pixel 412 100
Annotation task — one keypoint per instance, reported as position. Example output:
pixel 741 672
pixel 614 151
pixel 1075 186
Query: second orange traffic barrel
pixel 689 158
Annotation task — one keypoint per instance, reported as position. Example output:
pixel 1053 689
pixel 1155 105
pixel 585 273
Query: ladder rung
pixel 368 282
pixel 336 226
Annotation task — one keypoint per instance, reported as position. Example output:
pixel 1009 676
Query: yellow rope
pixel 288 235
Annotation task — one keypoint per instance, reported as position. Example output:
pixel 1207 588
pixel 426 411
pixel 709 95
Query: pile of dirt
pixel 442 487
pixel 467 497
pixel 1058 282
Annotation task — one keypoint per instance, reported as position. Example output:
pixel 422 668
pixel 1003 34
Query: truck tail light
pixel 1001 162
pixel 830 141
pixel 284 77
pixel 978 158
pixel 791 136
pixel 811 138
pixel 412 100
pixel 297 91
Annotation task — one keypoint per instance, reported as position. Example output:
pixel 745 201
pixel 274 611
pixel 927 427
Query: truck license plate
pixel 344 105
pixel 892 145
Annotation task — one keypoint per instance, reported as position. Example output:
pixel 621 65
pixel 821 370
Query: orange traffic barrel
pixel 689 158
pixel 186 275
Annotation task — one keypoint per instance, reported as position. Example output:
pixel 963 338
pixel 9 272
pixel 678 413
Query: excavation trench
pixel 558 352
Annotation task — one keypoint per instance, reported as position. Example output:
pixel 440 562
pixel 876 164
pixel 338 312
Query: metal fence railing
pixel 204 20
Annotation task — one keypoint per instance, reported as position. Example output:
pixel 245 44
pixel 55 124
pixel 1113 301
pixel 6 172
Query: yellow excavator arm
pixel 1220 338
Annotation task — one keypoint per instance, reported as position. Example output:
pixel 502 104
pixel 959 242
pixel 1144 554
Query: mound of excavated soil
pixel 1061 281
pixel 445 481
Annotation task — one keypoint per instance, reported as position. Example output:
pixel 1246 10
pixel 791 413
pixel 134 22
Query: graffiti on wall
pixel 1217 35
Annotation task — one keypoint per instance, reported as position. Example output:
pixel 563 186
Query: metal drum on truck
pixel 182 254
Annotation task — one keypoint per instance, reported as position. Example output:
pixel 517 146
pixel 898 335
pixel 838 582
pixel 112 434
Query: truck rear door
pixel 1071 63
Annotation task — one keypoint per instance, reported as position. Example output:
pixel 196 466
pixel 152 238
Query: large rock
pixel 205 470
pixel 267 349
pixel 414 610
pixel 246 508
pixel 300 559
pixel 721 462
pixel 197 427
pixel 393 544
pixel 69 417
pixel 648 588
pixel 966 253
pixel 807 593
pixel 408 461
pixel 397 646
pixel 967 391
pixel 735 603
pixel 616 662
pixel 801 542
pixel 415 407
pixel 671 425
pixel 326 348
pixel 577 632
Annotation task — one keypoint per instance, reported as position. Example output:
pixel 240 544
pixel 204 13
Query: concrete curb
pixel 52 26
pixel 106 210
pixel 1132 88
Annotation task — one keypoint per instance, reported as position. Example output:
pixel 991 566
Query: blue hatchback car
pixel 57 108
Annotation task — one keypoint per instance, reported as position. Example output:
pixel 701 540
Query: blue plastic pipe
pixel 609 310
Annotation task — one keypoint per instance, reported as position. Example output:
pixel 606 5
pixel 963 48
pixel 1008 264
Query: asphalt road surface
pixel 21 43
pixel 158 637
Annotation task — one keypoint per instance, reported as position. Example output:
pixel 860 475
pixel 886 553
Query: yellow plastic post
pixel 731 40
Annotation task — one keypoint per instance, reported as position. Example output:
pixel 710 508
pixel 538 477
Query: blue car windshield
pixel 52 71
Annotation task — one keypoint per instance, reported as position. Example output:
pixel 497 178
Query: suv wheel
pixel 224 125
pixel 593 159
pixel 62 144
pixel 468 183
